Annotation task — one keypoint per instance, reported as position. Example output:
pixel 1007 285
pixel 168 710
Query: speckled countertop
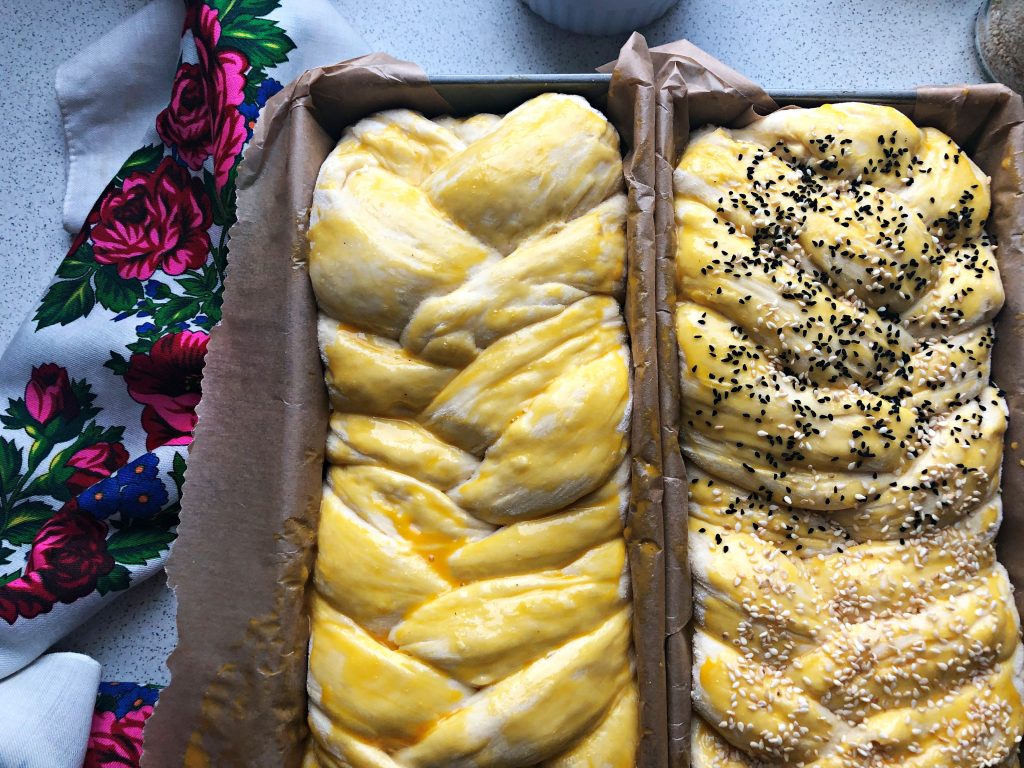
pixel 847 44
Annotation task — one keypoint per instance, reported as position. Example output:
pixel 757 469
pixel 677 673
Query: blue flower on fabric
pixel 134 491
pixel 267 88
pixel 122 698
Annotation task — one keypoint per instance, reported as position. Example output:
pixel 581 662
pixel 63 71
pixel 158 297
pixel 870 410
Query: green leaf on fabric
pixel 222 200
pixel 7 578
pixel 119 578
pixel 5 555
pixel 211 309
pixel 212 278
pixel 42 446
pixel 262 41
pixel 16 416
pixel 65 301
pixel 220 260
pixel 53 483
pixel 90 435
pixel 25 521
pixel 253 80
pixel 145 159
pixel 228 10
pixel 139 544
pixel 78 264
pixel 161 291
pixel 10 463
pixel 114 292
pixel 194 286
pixel 176 309
pixel 140 346
pixel 177 472
pixel 117 363
pixel 258 7
pixel 85 395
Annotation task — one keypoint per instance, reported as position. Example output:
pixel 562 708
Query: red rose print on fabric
pixel 185 124
pixel 155 221
pixel 168 382
pixel 27 596
pixel 71 553
pixel 225 72
pixel 48 394
pixel 68 556
pixel 116 743
pixel 95 463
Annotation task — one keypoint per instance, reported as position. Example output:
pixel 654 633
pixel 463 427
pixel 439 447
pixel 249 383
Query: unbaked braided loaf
pixel 471 604
pixel 836 291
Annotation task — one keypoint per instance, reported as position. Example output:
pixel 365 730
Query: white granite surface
pixel 813 44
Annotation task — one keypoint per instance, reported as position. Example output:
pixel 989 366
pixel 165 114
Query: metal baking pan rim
pixel 782 96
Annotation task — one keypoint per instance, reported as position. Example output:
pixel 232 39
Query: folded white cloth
pixel 47 712
pixel 111 92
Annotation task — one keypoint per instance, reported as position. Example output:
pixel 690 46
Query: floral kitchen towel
pixel 98 389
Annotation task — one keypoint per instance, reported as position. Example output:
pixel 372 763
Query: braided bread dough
pixel 472 604
pixel 836 291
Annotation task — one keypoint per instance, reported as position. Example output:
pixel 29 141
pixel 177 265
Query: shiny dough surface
pixel 835 296
pixel 471 602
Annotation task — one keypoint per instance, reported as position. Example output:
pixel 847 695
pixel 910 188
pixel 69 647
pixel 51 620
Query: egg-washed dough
pixel 471 602
pixel 835 296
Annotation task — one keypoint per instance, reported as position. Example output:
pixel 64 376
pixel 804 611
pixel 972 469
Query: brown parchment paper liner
pixel 241 565
pixel 631 109
pixel 695 89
